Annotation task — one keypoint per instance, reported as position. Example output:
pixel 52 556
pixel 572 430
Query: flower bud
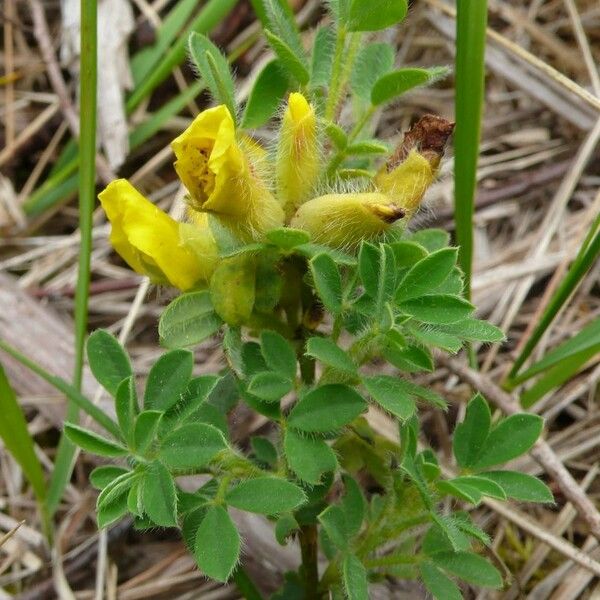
pixel 151 242
pixel 298 162
pixel 343 220
pixel 223 175
pixel 232 289
pixel 413 167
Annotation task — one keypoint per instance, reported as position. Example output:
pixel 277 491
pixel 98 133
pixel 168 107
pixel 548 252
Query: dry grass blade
pixel 10 533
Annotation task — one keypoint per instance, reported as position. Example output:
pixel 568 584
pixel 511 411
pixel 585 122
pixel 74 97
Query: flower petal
pixel 147 238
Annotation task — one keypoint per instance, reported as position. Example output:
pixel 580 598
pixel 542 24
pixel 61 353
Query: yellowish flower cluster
pixel 230 179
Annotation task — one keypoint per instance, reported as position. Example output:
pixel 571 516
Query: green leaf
pixel 126 406
pixel 511 438
pixel 328 282
pixel 470 436
pixel 264 450
pixel 469 567
pixel 281 20
pixel 337 135
pixel 159 495
pixel 308 458
pixel 474 330
pixel 481 483
pixel 472 488
pixel 195 395
pixel 108 360
pixel 330 354
pixel 92 442
pixel 391 395
pixel 442 309
pixel 311 250
pixel 102 476
pixel 433 337
pixel 266 95
pixel 407 253
pixel 279 354
pixel 191 446
pixel 284 528
pixel 438 585
pixel 188 320
pixel 266 496
pixel 462 492
pixel 354 505
pixel 112 509
pixel 354 574
pixel 287 238
pixel 326 408
pixel 410 359
pixel 146 426
pixel 366 148
pixel 168 379
pixel 373 15
pixel 17 440
pixel 369 259
pixel 521 486
pixel 333 521
pixel 431 239
pixel 322 57
pixel 398 82
pixel 289 59
pixel 269 386
pixel 217 548
pixel 426 275
pixel 214 70
pixel 372 61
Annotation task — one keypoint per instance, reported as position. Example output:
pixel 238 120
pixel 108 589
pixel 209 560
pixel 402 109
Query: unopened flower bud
pixel 412 168
pixel 343 220
pixel 297 154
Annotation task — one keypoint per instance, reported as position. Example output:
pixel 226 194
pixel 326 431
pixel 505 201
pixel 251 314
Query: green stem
pixel 309 548
pixel 336 74
pixel 340 155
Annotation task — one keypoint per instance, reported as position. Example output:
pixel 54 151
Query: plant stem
pixel 309 548
pixel 336 73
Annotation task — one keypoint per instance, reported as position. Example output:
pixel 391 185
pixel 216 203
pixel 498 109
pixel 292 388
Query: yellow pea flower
pixel 223 174
pixel 343 220
pixel 298 162
pixel 151 242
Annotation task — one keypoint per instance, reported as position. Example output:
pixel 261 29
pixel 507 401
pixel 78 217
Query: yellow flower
pixel 408 182
pixel 223 175
pixel 151 242
pixel 343 220
pixel 413 167
pixel 298 163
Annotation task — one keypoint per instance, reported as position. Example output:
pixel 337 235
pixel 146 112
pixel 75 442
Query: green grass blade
pixel 211 15
pixel 147 58
pixel 588 337
pixel 16 438
pixel 559 374
pixel 586 257
pixel 471 24
pixel 63 464
pixel 67 389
